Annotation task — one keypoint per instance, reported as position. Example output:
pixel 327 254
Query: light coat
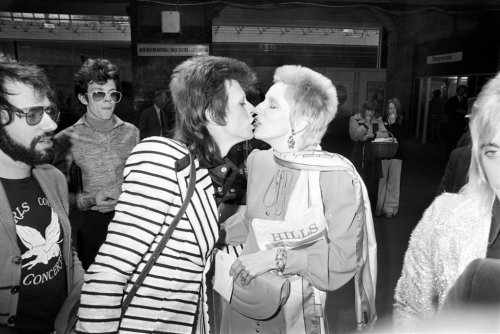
pixel 451 233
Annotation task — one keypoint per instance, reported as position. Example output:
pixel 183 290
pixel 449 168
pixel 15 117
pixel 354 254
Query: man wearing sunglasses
pixel 92 154
pixel 37 263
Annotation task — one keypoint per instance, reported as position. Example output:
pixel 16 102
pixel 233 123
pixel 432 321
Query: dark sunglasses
pixel 34 115
pixel 97 96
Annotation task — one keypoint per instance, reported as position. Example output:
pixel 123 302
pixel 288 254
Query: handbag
pixel 304 224
pixel 68 315
pixel 75 183
pixel 262 297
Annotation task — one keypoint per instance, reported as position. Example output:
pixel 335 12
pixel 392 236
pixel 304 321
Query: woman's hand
pixel 366 128
pixel 391 119
pixel 253 265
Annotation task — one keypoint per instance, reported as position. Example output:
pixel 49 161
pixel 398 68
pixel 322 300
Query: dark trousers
pixel 340 309
pixel 368 167
pixel 91 233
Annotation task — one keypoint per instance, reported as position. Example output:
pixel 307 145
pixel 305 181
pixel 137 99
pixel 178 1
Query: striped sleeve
pixel 149 193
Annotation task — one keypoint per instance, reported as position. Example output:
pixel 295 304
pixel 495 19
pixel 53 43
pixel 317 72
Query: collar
pixel 83 121
pixel 314 160
pixel 158 109
pixel 495 222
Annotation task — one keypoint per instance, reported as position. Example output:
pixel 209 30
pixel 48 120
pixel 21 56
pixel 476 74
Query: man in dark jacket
pixel 456 108
pixel 157 120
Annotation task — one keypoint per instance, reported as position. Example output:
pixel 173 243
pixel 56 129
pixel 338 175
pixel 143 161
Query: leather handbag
pixel 68 315
pixel 262 297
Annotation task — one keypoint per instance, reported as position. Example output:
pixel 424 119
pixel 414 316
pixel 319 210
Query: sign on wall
pixel 160 50
pixel 445 58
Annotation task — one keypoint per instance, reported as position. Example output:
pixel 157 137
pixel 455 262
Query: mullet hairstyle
pixel 198 87
pixel 484 125
pixel 312 97
pixel 97 71
pixel 397 105
pixel 30 75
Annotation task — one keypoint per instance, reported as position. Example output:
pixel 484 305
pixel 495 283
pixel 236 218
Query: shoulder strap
pixel 163 242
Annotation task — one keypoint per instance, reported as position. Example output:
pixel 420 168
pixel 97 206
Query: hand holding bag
pixel 262 297
pixel 304 224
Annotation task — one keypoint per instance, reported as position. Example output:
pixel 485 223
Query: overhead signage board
pixel 445 58
pixel 172 50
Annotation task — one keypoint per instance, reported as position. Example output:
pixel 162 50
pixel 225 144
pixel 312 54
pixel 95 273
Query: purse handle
pixel 163 242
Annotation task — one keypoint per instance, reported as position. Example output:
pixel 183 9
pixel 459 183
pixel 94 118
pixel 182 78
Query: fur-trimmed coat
pixel 451 233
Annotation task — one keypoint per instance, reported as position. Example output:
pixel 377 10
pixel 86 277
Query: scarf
pixel 366 245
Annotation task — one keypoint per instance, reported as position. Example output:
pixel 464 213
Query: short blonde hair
pixel 484 125
pixel 312 96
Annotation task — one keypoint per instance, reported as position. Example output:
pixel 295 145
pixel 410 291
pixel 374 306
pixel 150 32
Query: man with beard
pixel 36 259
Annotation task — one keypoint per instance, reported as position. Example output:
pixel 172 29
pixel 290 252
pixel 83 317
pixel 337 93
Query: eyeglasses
pixel 98 96
pixel 34 115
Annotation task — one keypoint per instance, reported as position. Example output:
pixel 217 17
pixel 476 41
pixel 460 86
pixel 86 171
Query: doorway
pixel 430 95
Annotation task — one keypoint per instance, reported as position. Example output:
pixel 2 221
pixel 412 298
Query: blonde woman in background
pixel 456 228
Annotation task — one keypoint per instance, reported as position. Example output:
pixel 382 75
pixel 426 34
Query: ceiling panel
pixel 118 7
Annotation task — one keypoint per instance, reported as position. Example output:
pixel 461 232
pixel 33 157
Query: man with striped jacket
pixel 212 115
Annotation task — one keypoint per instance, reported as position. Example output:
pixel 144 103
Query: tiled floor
pixel 422 169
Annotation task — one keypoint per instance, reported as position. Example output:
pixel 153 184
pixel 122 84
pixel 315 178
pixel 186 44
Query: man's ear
pixel 83 99
pixel 4 117
pixel 209 117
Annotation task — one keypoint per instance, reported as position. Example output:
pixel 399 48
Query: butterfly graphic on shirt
pixel 42 248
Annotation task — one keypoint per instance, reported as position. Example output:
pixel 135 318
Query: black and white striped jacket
pixel 169 299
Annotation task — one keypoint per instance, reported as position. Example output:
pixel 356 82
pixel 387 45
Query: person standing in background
pixel 456 108
pixel 96 147
pixel 364 127
pixel 436 106
pixel 389 183
pixel 156 120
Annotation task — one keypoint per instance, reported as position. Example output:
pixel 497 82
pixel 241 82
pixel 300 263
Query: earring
pixel 291 140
